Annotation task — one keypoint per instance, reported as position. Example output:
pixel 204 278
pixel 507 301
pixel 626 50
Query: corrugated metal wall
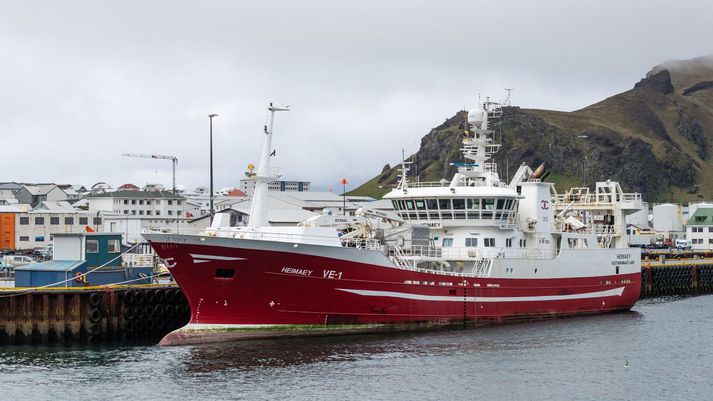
pixel 7 230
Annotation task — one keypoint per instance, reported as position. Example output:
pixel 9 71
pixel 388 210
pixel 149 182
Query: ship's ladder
pixel 399 258
pixel 482 267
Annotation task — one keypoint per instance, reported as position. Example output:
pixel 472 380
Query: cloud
pixel 84 81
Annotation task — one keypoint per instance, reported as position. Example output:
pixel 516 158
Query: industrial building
pixel 24 229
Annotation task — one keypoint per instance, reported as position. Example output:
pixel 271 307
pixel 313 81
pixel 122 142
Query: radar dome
pixel 475 117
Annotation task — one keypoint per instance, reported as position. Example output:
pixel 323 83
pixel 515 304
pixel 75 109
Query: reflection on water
pixel 577 358
pixel 281 353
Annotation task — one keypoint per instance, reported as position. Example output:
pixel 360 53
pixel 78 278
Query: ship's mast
pixel 403 181
pixel 479 147
pixel 258 208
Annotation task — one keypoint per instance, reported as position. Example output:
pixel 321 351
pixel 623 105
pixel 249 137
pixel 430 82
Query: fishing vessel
pixel 468 251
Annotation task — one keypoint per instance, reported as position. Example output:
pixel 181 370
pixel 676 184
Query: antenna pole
pixel 507 99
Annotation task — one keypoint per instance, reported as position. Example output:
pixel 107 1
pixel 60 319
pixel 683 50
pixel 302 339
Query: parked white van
pixel 683 244
pixel 14 261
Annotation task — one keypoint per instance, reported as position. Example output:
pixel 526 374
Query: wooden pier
pixel 90 314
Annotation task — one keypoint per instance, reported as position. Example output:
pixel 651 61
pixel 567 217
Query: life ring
pixel 79 277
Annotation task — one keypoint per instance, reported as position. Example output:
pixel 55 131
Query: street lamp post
pixel 212 210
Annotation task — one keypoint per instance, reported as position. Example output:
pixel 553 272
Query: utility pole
pixel 212 209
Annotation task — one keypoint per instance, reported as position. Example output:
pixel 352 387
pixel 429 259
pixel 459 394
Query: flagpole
pixel 344 196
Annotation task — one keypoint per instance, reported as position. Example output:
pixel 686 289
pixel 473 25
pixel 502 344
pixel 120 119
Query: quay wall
pixel 91 315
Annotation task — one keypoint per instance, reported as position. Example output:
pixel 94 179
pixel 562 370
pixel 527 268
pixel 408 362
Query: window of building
pixel 148 213
pixel 133 212
pixel 471 242
pixel 148 201
pixel 92 246
pixel 126 201
pixel 710 241
pixel 447 242
pixel 170 202
pixel 39 221
pixel 178 203
pixel 24 221
pixel 69 221
pixel 113 246
pixel 126 212
pixel 158 213
pixel 24 238
pixel 178 213
pixel 170 212
pixel 710 229
pixel 489 242
pixel 54 221
pixel 508 242
pixel 97 220
pixel 83 221
pixel 141 201
pixel 133 201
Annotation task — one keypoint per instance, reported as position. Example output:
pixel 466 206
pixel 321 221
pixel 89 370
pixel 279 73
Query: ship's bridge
pixel 452 206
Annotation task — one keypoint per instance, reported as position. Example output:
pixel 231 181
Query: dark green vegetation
pixel 655 139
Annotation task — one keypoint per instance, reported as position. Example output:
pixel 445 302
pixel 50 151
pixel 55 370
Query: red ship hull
pixel 248 289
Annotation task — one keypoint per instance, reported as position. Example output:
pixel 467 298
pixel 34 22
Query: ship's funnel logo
pixel 544 205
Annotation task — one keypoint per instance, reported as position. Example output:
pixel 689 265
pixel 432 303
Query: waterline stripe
pixel 213 257
pixel 448 298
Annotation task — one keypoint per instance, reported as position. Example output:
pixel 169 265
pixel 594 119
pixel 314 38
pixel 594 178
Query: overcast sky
pixel 82 82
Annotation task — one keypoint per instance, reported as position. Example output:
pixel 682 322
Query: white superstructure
pixel 477 220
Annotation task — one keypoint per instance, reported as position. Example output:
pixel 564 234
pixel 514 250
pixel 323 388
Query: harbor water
pixel 660 350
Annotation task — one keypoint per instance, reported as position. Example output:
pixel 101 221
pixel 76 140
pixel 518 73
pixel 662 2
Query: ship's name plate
pixel 299 272
pixel 431 224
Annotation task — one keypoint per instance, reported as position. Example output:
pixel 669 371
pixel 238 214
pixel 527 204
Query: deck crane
pixel 173 159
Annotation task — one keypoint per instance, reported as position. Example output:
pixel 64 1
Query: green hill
pixel 655 139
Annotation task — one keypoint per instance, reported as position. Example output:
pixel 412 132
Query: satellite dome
pixel 475 117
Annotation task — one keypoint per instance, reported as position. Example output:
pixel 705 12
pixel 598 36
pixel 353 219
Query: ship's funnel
pixel 538 171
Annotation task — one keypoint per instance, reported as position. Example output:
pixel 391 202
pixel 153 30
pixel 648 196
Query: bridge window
pixel 447 242
pixel 488 204
pixel 409 205
pixel 432 204
pixel 474 203
pixel 473 214
pixel 420 204
pixel 458 203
